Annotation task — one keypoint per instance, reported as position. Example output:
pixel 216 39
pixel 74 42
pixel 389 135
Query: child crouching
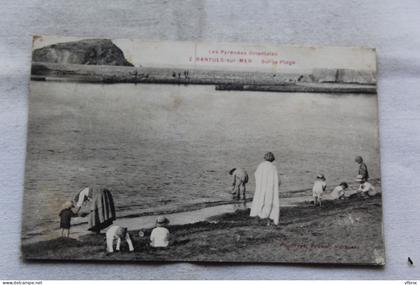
pixel 117 233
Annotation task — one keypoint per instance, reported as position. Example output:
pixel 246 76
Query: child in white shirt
pixel 319 187
pixel 338 192
pixel 160 235
pixel 365 187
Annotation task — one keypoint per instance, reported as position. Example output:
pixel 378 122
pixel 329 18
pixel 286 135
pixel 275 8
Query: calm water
pixel 160 147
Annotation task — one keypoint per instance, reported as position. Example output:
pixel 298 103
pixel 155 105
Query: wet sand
pixel 147 220
pixel 181 216
pixel 344 231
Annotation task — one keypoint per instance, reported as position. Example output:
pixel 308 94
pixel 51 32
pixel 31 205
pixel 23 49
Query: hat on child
pixel 344 184
pixel 161 221
pixel 359 178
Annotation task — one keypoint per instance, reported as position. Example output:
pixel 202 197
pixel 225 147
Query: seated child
pixel 240 179
pixel 160 235
pixel 117 233
pixel 65 218
pixel 338 192
pixel 319 187
pixel 365 187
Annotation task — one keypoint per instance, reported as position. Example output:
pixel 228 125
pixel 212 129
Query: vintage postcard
pixel 202 152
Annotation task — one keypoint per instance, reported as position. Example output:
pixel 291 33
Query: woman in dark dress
pixel 100 208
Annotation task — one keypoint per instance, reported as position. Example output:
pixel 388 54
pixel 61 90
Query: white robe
pixel 266 202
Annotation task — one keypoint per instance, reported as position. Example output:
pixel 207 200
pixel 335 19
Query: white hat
pixel 359 178
pixel 161 220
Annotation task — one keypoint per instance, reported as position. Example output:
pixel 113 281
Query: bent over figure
pixel 240 179
pixel 98 205
pixel 117 233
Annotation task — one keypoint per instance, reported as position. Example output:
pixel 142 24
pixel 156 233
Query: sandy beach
pixel 343 231
pixel 178 216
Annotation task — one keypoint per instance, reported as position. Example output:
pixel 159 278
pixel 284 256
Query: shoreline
pixel 224 80
pixel 178 215
pixel 342 231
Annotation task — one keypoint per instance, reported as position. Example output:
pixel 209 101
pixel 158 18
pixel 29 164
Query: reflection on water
pixel 161 147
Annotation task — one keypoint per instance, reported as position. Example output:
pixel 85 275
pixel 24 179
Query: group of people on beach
pixel 365 188
pixel 159 237
pixel 265 203
pixel 98 204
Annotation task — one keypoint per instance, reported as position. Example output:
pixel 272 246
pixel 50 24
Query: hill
pixel 86 52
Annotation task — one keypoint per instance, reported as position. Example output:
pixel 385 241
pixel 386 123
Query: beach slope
pixel 345 231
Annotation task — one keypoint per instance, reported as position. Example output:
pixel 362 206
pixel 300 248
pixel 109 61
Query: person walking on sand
pixel 65 218
pixel 117 233
pixel 363 171
pixel 266 203
pixel 319 187
pixel 240 179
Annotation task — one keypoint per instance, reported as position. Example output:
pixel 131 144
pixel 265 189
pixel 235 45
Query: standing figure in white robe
pixel 266 202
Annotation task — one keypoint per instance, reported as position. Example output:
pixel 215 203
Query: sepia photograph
pixel 202 152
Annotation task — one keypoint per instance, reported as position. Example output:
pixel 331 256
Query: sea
pixel 168 148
